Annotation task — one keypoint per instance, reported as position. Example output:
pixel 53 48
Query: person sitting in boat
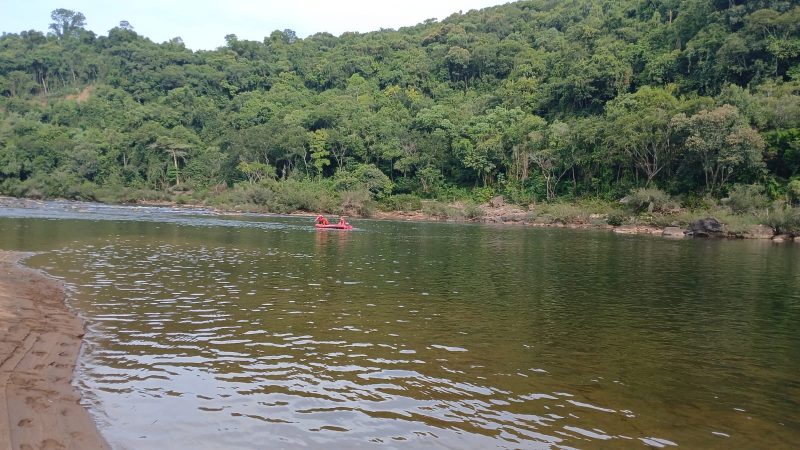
pixel 342 222
pixel 322 220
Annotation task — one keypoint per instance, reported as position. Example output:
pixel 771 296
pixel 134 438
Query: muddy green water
pixel 260 332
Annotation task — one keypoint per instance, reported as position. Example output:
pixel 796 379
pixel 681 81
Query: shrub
pixel 451 193
pixel 357 203
pixel 483 194
pixel 441 210
pixel 402 202
pixel 565 213
pixel 694 201
pixel 250 195
pixel 616 218
pixel 473 211
pixel 736 224
pixel 650 200
pixel 363 176
pixel 747 198
pixel 785 220
pixel 304 195
pixel 793 189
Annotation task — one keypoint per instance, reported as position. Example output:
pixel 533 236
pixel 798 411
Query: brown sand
pixel 39 344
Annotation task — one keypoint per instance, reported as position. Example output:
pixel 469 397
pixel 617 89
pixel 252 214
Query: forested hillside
pixel 536 100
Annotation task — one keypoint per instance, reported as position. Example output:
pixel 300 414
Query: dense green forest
pixel 540 101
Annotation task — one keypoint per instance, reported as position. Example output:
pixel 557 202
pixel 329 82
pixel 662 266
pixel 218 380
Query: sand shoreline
pixel 40 339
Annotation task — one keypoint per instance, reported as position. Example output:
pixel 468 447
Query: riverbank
pixel 40 339
pixel 675 223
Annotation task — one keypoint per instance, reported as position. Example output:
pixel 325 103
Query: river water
pixel 209 331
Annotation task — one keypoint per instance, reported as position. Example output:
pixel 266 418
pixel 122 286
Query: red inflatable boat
pixel 334 226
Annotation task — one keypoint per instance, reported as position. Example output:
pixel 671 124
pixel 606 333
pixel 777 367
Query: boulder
pixel 760 232
pixel 782 238
pixel 514 217
pixel 636 229
pixel 708 227
pixel 497 202
pixel 673 232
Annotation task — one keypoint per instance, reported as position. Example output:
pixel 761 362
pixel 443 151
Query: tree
pixel 256 171
pixel 177 150
pixel 317 142
pixel 723 143
pixel 551 155
pixel 641 129
pixel 66 22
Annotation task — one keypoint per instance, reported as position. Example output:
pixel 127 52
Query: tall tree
pixel 66 22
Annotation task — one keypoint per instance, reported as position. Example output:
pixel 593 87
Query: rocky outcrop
pixel 497 202
pixel 708 227
pixel 782 238
pixel 673 232
pixel 636 229
pixel 760 232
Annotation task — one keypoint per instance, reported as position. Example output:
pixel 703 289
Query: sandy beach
pixel 40 341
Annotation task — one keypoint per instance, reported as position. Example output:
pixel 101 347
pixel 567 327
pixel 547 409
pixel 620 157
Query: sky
pixel 203 24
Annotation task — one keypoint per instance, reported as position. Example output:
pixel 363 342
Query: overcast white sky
pixel 203 24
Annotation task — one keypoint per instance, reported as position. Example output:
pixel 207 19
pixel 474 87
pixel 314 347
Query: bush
pixel 253 196
pixel 441 210
pixel 483 194
pixel 473 211
pixel 616 218
pixel 357 203
pixel 564 213
pixel 785 220
pixel 304 195
pixel 451 193
pixel 747 198
pixel 793 189
pixel 650 200
pixel 364 176
pixel 402 202
pixel 524 193
pixel 694 201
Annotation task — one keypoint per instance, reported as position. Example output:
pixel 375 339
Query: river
pixel 209 331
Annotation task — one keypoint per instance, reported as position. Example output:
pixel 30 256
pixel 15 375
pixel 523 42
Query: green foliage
pixel 564 213
pixel 473 211
pixel 785 220
pixel 442 210
pixel 540 100
pixel 747 199
pixel 401 202
pixel 649 200
pixel 483 194
pixel 616 218
pixel 256 171
pixel 357 203
pixel 366 177
pixel 793 189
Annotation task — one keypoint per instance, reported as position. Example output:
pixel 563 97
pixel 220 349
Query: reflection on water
pixel 251 332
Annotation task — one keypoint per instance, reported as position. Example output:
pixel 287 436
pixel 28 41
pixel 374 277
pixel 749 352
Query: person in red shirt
pixel 322 220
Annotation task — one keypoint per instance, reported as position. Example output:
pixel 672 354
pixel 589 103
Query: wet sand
pixel 39 344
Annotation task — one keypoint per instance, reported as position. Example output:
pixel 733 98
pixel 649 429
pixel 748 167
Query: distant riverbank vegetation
pixel 674 107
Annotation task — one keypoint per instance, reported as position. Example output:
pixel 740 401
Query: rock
pixel 514 217
pixel 636 229
pixel 673 232
pixel 708 227
pixel 782 238
pixel 497 202
pixel 760 232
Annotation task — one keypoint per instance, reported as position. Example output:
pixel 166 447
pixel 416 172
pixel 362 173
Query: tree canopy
pixel 536 99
